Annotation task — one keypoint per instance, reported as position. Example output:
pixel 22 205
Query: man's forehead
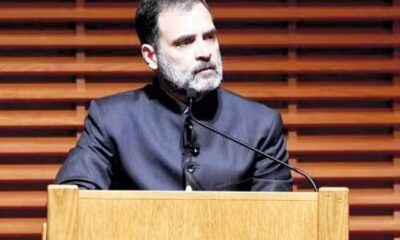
pixel 174 22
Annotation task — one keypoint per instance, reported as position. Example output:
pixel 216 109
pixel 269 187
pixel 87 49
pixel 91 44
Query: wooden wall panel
pixel 332 68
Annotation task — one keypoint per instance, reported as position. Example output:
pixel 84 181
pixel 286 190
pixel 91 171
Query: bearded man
pixel 144 139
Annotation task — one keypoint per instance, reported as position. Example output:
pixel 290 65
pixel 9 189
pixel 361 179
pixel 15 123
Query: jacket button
pixel 195 151
pixel 191 168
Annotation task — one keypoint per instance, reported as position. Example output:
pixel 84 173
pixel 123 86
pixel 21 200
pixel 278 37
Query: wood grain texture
pixel 207 215
pixel 62 217
pixel 333 212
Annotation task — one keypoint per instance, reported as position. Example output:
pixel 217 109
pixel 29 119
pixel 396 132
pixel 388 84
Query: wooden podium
pixel 148 215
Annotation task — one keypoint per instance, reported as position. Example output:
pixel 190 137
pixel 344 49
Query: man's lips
pixel 204 69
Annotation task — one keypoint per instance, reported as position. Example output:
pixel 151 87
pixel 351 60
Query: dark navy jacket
pixel 135 140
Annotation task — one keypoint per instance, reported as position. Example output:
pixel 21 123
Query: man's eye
pixel 210 37
pixel 185 42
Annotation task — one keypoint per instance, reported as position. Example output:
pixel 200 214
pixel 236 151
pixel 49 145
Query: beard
pixel 203 78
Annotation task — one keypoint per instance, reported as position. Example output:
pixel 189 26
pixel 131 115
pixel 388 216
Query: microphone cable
pixel 298 170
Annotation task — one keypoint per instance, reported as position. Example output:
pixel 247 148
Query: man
pixel 144 139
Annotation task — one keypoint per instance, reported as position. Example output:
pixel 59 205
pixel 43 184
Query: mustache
pixel 204 66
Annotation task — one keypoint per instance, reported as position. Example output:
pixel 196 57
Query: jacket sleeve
pixel 268 174
pixel 89 163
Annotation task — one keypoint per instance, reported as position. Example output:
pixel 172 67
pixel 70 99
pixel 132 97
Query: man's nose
pixel 203 51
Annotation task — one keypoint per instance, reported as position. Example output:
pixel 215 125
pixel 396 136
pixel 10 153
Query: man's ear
pixel 150 56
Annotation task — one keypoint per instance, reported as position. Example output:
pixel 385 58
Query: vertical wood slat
pixel 63 201
pixel 333 224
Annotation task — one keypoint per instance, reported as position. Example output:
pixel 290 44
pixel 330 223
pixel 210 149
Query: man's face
pixel 188 51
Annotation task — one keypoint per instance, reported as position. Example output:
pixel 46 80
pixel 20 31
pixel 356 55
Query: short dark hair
pixel 146 20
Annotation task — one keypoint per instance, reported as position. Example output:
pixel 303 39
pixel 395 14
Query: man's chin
pixel 205 86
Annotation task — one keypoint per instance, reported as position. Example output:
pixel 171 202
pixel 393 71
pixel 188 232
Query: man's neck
pixel 179 95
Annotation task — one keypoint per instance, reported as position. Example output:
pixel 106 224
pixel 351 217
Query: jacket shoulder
pixel 120 101
pixel 246 106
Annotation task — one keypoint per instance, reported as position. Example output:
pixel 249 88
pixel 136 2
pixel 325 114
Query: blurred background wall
pixel 331 67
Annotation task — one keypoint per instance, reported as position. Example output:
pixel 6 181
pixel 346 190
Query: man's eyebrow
pixel 211 32
pixel 190 36
pixel 183 38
